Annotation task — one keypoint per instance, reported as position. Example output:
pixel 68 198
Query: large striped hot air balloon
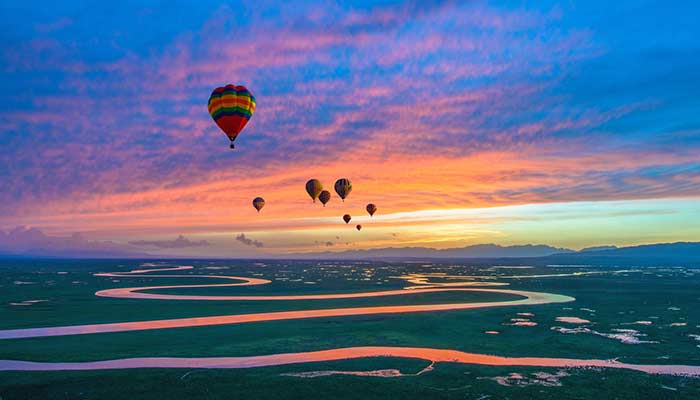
pixel 324 196
pixel 343 187
pixel 231 108
pixel 314 188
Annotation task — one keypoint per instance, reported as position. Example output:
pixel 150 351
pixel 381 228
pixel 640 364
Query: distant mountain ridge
pixel 474 251
pixel 31 242
pixel 679 251
pixel 598 248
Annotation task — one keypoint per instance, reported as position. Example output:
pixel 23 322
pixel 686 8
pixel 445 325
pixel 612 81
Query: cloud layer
pixel 424 105
pixel 32 241
pixel 179 243
pixel 248 241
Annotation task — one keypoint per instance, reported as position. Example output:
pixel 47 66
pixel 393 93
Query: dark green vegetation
pixel 663 296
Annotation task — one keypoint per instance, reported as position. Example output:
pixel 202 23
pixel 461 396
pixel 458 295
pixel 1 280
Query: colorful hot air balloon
pixel 371 209
pixel 324 196
pixel 258 203
pixel 231 107
pixel 343 187
pixel 358 227
pixel 314 188
pixel 347 218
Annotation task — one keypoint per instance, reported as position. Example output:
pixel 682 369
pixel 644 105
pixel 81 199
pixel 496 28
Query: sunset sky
pixel 565 123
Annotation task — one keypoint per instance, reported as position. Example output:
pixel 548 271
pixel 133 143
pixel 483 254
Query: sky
pixel 567 123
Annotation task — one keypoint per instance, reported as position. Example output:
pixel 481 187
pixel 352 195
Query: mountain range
pixel 32 242
pixel 649 253
pixel 474 251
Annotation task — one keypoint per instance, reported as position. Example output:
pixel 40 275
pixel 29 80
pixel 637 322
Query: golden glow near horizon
pixel 433 202
pixel 572 225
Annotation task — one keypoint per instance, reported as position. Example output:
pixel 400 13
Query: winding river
pixel 527 298
pixel 429 354
pixel 433 355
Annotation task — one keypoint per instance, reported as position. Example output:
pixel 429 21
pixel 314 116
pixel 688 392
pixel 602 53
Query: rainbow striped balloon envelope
pixel 231 108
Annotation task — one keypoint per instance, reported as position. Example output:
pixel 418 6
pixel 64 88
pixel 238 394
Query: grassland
pixel 662 296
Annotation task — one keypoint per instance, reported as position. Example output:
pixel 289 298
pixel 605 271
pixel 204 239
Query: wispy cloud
pixel 179 243
pixel 24 240
pixel 248 241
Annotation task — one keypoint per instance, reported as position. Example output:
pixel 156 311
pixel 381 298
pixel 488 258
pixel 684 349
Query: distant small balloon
pixel 324 196
pixel 371 209
pixel 359 227
pixel 314 188
pixel 258 203
pixel 347 218
pixel 343 187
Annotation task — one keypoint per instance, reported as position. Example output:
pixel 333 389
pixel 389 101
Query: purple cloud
pixel 179 243
pixel 23 240
pixel 248 241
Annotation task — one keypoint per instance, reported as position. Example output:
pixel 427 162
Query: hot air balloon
pixel 314 188
pixel 371 209
pixel 343 187
pixel 231 107
pixel 258 203
pixel 347 218
pixel 358 227
pixel 324 196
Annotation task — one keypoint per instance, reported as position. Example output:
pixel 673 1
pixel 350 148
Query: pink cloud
pixel 126 145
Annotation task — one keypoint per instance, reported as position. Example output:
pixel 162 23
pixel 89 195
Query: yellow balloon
pixel 314 188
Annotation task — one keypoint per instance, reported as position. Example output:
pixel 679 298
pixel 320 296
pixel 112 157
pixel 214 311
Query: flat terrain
pixel 643 316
